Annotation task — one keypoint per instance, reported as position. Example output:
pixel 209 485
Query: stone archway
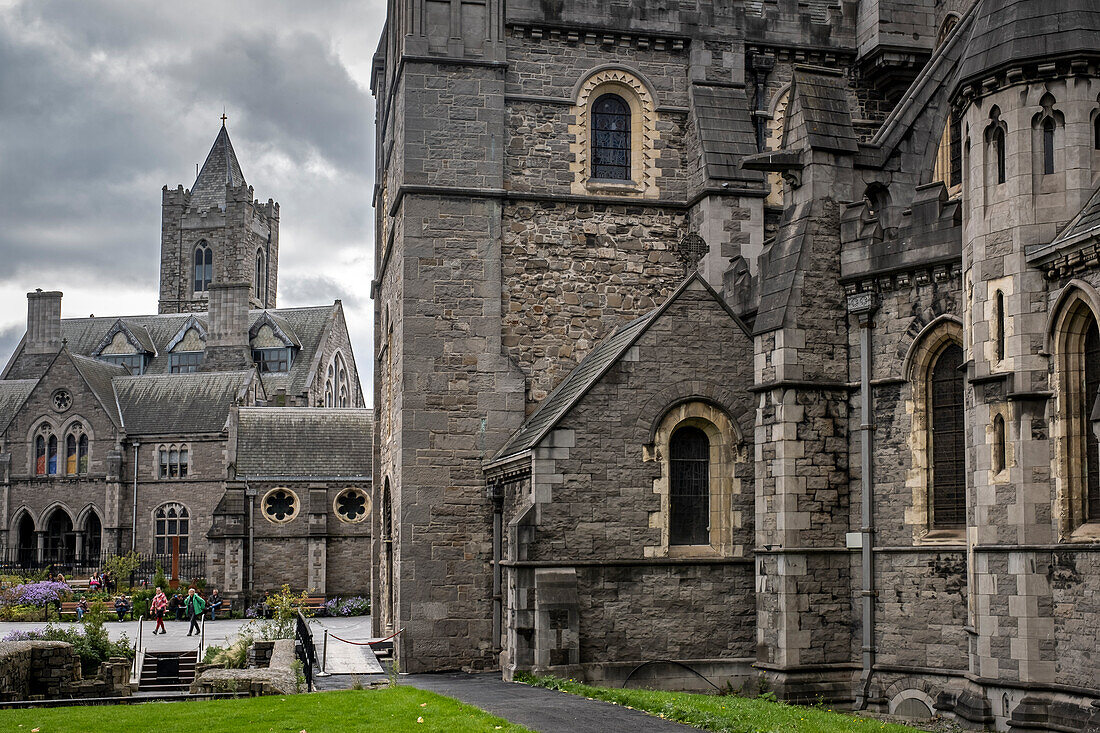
pixel 60 538
pixel 26 542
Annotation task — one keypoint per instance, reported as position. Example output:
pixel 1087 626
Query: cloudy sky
pixel 103 102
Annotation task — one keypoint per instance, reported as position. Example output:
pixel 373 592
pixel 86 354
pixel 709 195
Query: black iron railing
pixel 304 648
pixel 186 567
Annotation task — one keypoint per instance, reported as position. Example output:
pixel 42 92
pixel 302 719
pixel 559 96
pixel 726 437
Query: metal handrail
pixel 202 638
pixel 137 644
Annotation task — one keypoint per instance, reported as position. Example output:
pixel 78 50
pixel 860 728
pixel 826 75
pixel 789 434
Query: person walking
pixel 195 608
pixel 158 607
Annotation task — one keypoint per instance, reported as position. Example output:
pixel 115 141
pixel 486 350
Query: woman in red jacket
pixel 159 604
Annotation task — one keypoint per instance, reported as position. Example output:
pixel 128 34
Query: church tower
pixel 217 232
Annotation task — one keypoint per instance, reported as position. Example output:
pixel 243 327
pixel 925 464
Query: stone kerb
pixel 278 678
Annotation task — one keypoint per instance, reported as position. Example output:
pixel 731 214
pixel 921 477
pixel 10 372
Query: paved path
pixel 542 710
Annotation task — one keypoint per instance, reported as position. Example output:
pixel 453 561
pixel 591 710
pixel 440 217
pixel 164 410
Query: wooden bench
pixel 68 608
pixel 312 604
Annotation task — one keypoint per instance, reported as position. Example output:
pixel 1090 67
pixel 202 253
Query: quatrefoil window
pixel 280 505
pixel 62 400
pixel 352 505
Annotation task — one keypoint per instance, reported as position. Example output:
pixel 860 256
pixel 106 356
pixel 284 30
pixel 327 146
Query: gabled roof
pixel 98 375
pixel 13 393
pixel 135 334
pixel 193 321
pixel 304 443
pixel 279 326
pixel 220 169
pixel 821 95
pixel 591 369
pixel 84 336
pixel 180 403
pixel 726 134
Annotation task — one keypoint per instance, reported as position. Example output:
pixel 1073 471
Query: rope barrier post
pixel 324 654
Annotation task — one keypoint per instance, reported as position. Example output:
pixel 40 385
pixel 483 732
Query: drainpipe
pixel 133 520
pixel 862 305
pixel 496 495
pixel 251 494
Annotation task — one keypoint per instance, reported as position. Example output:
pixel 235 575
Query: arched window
pixel 76 450
pixel 611 138
pixel 1092 446
pixel 1048 146
pixel 173 461
pixel 43 434
pixel 337 385
pixel 948 501
pixel 1096 132
pixel 60 538
pixel 997 142
pixel 1000 444
pixel 260 279
pixel 999 324
pixel 689 490
pixel 51 455
pixel 204 266
pixel 170 529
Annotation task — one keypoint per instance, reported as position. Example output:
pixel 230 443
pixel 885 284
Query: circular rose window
pixel 352 505
pixel 62 400
pixel 280 505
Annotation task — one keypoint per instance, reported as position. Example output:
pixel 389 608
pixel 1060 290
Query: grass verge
pixel 394 709
pixel 725 713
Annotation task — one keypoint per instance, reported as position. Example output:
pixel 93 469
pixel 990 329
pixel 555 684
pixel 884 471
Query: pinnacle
pixel 220 169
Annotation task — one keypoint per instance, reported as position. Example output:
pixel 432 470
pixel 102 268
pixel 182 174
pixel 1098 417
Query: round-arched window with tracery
pixel 352 505
pixel 280 505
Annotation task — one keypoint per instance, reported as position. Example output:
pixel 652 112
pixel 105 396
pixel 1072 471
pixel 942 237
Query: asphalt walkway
pixel 542 710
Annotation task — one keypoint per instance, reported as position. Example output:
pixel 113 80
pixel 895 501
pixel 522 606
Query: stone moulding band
pixel 647 562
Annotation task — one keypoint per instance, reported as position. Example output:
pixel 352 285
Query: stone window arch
pixel 203 267
pixel 1000 445
pixel 937 474
pixel 171 529
pixel 77 446
pixel 260 275
pixel 173 461
pixel 1048 127
pixel 44 450
pixel 611 97
pixel 1076 346
pixel 996 137
pixel 337 383
pixel 697 446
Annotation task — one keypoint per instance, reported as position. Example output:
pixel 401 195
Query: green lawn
pixel 391 710
pixel 727 713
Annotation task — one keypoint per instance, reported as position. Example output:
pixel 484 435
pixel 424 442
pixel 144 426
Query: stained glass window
pixel 611 138
pixel 1092 447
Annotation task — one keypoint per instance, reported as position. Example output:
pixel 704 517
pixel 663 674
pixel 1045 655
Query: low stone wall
pixel 277 678
pixel 41 670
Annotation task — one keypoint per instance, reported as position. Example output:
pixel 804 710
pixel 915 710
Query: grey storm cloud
pixel 106 101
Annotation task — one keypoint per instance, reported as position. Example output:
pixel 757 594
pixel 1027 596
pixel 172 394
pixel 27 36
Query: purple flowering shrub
pixel 28 635
pixel 35 594
pixel 357 606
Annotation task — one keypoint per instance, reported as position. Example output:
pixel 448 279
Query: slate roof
pixel 1083 227
pixel 304 443
pixel 220 169
pixel 591 369
pixel 779 264
pixel 13 393
pixel 1009 32
pixel 726 133
pixel 99 375
pixel 84 336
pixel 179 403
pixel 823 99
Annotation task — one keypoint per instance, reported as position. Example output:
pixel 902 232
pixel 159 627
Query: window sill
pixel 694 551
pixel 941 537
pixel 600 185
pixel 1088 532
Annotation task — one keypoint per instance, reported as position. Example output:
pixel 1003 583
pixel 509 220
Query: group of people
pixel 103 581
pixel 192 606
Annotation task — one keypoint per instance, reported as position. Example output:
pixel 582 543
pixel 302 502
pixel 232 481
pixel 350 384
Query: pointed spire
pixel 220 169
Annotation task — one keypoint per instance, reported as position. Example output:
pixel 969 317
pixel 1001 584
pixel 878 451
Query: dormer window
pixel 273 361
pixel 134 363
pixel 184 362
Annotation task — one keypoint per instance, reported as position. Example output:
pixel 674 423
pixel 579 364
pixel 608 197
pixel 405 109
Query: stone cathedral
pixel 755 335
pixel 222 438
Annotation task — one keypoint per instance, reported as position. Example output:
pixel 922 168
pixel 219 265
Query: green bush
pixel 89 640
pixel 160 580
pixel 21 613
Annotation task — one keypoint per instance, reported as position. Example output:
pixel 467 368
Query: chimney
pixel 43 322
pixel 227 338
